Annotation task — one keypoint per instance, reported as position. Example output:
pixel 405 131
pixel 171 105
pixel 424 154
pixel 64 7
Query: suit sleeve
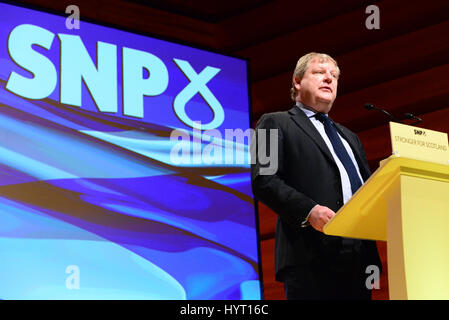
pixel 269 186
pixel 371 246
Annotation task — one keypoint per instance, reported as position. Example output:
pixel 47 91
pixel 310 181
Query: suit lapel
pixel 355 149
pixel 304 123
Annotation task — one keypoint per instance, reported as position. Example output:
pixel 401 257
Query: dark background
pixel 402 67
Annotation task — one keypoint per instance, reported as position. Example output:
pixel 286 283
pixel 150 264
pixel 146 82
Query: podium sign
pixel 417 143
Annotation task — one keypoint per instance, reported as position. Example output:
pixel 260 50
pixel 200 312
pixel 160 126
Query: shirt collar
pixel 309 113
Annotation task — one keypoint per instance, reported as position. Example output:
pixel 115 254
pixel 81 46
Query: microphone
pixel 369 106
pixel 412 116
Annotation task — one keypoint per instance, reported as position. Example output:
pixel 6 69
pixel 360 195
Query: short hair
pixel 302 65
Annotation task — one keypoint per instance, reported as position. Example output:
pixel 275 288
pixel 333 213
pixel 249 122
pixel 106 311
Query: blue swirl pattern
pixel 137 227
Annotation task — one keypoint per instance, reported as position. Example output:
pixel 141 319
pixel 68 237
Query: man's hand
pixel 319 216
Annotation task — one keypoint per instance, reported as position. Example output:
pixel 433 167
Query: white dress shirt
pixel 345 183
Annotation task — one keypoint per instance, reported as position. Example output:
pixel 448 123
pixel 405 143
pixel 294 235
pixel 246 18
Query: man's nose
pixel 328 77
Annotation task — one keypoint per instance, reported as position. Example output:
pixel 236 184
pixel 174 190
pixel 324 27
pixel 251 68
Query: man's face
pixel 318 86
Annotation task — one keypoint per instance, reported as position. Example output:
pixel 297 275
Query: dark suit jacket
pixel 307 175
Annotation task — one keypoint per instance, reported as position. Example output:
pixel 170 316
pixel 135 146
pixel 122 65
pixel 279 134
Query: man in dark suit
pixel 320 164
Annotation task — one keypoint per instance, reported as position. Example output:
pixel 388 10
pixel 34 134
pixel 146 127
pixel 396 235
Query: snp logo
pixel 420 132
pixel 101 79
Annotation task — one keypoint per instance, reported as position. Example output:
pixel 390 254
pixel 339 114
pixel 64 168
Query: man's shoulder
pixel 277 115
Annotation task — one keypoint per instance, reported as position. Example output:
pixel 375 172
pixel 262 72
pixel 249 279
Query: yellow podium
pixel 406 203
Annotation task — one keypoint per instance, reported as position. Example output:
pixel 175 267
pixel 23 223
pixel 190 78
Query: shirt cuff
pixel 306 222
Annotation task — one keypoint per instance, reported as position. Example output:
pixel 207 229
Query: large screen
pixel 124 165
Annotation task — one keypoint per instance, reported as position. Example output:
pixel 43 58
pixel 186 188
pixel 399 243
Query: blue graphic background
pixel 97 191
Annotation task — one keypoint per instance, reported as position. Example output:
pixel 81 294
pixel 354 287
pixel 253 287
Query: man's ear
pixel 297 83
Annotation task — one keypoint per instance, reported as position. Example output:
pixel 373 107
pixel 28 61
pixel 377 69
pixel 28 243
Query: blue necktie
pixel 340 150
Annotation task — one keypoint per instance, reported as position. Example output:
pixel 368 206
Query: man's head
pixel 315 81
